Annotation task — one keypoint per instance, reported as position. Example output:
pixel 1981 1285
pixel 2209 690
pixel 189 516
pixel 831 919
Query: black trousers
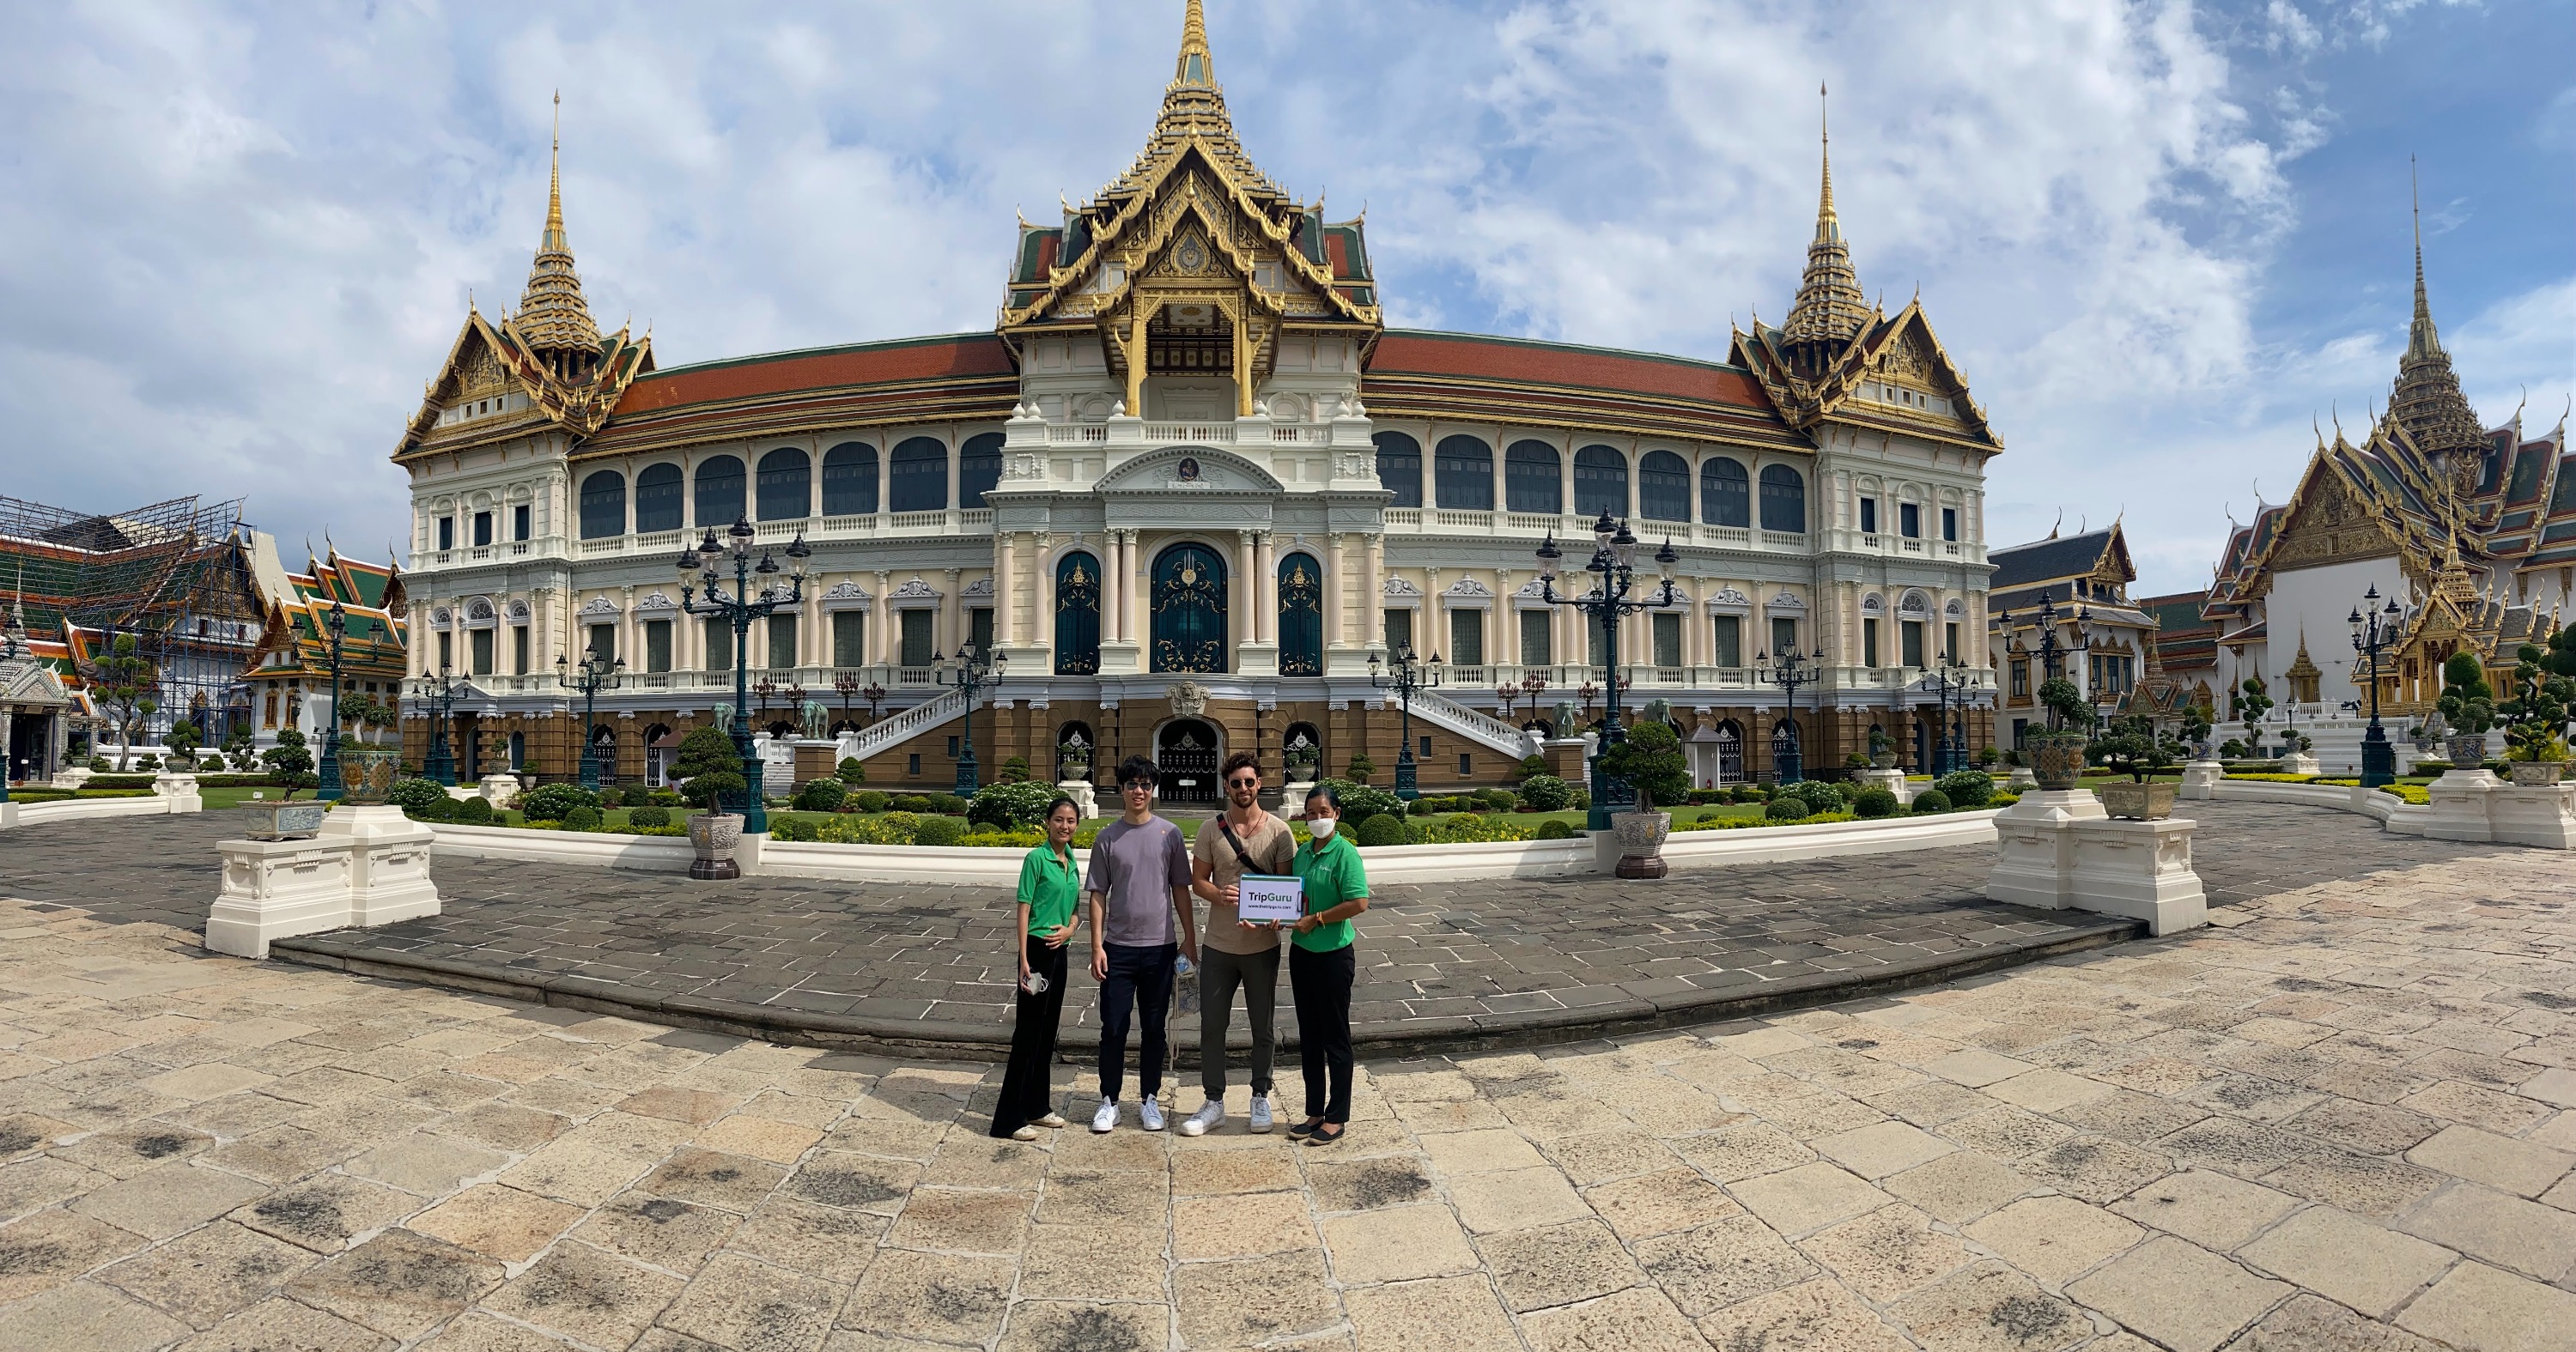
pixel 1025 1081
pixel 1322 984
pixel 1139 982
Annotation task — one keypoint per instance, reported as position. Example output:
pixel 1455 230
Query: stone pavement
pixel 929 968
pixel 2344 1120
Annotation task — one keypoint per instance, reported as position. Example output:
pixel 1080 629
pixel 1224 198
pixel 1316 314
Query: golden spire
pixel 1196 65
pixel 2426 400
pixel 1830 309
pixel 553 316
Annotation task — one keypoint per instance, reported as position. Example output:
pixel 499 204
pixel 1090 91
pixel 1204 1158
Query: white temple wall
pixel 2320 602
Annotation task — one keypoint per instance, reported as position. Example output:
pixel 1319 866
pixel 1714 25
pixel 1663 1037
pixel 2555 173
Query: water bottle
pixel 1185 985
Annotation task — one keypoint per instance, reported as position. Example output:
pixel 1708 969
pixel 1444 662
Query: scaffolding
pixel 175 575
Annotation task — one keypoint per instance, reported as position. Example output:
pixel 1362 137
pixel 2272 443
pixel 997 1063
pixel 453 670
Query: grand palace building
pixel 1187 487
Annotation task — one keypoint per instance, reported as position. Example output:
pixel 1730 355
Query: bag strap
pixel 1239 851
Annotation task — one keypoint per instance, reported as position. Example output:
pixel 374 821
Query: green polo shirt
pixel 1049 887
pixel 1333 875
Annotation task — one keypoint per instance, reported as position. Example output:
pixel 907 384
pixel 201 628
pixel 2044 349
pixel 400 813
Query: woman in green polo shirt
pixel 1050 886
pixel 1322 965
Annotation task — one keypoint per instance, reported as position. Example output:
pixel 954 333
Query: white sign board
pixel 1264 897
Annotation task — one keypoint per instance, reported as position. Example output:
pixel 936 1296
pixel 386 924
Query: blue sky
pixel 2160 238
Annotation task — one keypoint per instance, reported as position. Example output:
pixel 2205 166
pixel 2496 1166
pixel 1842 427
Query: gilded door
pixel 1189 609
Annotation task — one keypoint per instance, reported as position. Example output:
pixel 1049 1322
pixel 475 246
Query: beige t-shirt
pixel 1271 847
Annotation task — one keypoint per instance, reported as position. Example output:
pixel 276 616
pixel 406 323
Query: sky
pixel 2163 240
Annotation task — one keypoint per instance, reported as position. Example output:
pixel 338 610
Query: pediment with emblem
pixel 489 363
pixel 2328 523
pixel 1894 374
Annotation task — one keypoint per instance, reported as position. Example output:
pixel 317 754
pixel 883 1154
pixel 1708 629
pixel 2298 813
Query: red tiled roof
pixel 966 355
pixel 1468 355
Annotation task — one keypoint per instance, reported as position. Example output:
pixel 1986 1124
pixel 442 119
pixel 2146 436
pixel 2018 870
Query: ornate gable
pixel 1894 375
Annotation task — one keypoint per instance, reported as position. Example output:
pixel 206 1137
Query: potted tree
pixel 1651 760
pixel 709 771
pixel 2198 722
pixel 2132 745
pixel 2057 754
pixel 2536 719
pixel 2468 705
pixel 366 771
pixel 1882 750
pixel 2253 700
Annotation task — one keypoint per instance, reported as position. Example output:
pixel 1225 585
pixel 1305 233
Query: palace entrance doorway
pixel 1186 753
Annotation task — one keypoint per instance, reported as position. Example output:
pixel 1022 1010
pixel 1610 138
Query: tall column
pixel 955 500
pixel 1435 617
pixel 1335 634
pixel 1136 366
pixel 1268 563
pixel 1242 367
pixel 879 642
pixel 1565 485
pixel 1006 590
pixel 1140 616
pixel 952 615
pixel 1247 590
pixel 1373 591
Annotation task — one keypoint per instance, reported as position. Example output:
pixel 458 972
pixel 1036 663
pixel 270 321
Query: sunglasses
pixel 1135 784
pixel 1245 783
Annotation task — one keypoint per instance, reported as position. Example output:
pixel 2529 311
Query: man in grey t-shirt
pixel 1141 921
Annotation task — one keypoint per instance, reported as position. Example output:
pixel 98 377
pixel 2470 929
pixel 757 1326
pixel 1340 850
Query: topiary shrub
pixel 666 798
pixel 1383 829
pixel 820 795
pixel 555 802
pixel 648 816
pixel 1360 802
pixel 1015 806
pixel 1875 802
pixel 1533 765
pixel 1496 800
pixel 1553 829
pixel 1819 795
pixel 871 800
pixel 948 803
pixel 413 795
pixel 439 809
pixel 1651 760
pixel 792 828
pixel 475 811
pixel 939 830
pixel 851 772
pixel 1966 788
pixel 911 802
pixel 1547 793
pixel 1931 801
pixel 1788 807
pixel 582 818
pixel 709 768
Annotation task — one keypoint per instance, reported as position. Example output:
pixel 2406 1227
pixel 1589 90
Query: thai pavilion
pixel 1187 487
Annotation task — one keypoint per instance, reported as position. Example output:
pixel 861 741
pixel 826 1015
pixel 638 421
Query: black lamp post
pixel 1788 671
pixel 597 672
pixel 1404 677
pixel 970 672
pixel 1943 682
pixel 2052 654
pixel 740 607
pixel 1614 566
pixel 10 651
pixel 335 623
pixel 2374 628
pixel 440 691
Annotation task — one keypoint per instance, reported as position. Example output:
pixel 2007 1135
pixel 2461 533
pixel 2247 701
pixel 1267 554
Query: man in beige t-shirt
pixel 1233 953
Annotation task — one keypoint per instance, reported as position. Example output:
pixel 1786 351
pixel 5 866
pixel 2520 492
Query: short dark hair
pixel 1329 794
pixel 1062 801
pixel 1137 767
pixel 1241 760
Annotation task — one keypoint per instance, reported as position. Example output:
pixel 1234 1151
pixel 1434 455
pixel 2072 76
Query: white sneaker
pixel 1025 1134
pixel 1150 1113
pixel 1107 1118
pixel 1051 1120
pixel 1208 1115
pixel 1260 1124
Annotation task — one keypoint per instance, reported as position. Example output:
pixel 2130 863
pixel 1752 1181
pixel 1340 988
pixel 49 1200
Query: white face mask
pixel 1321 828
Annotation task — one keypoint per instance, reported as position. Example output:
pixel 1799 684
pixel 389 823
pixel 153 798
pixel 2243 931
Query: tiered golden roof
pixel 1830 310
pixel 2426 399
pixel 553 316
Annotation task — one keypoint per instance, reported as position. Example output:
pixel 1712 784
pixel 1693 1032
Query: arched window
pixel 1530 482
pixel 1301 752
pixel 1399 468
pixel 1077 615
pixel 1189 609
pixel 1725 495
pixel 719 491
pixel 1301 616
pixel 1663 487
pixel 1600 481
pixel 660 498
pixel 603 505
pixel 1464 470
pixel 920 475
pixel 1075 750
pixel 786 485
pixel 979 468
pixel 1784 499
pixel 850 480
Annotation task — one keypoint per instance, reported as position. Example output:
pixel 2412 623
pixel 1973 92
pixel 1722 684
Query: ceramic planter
pixel 2149 802
pixel 714 835
pixel 2056 758
pixel 2536 774
pixel 1641 843
pixel 1882 760
pixel 367 775
pixel 2468 752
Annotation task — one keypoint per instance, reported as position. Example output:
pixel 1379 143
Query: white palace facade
pixel 1187 487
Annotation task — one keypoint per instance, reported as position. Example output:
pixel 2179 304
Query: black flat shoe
pixel 1319 1137
pixel 1305 1129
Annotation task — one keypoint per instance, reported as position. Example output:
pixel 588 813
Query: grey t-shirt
pixel 1136 868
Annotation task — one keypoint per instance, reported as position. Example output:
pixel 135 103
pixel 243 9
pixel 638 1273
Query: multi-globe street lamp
pixel 597 672
pixel 1789 670
pixel 2052 654
pixel 2374 629
pixel 739 608
pixel 970 672
pixel 440 691
pixel 1944 682
pixel 335 624
pixel 1404 675
pixel 1614 566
